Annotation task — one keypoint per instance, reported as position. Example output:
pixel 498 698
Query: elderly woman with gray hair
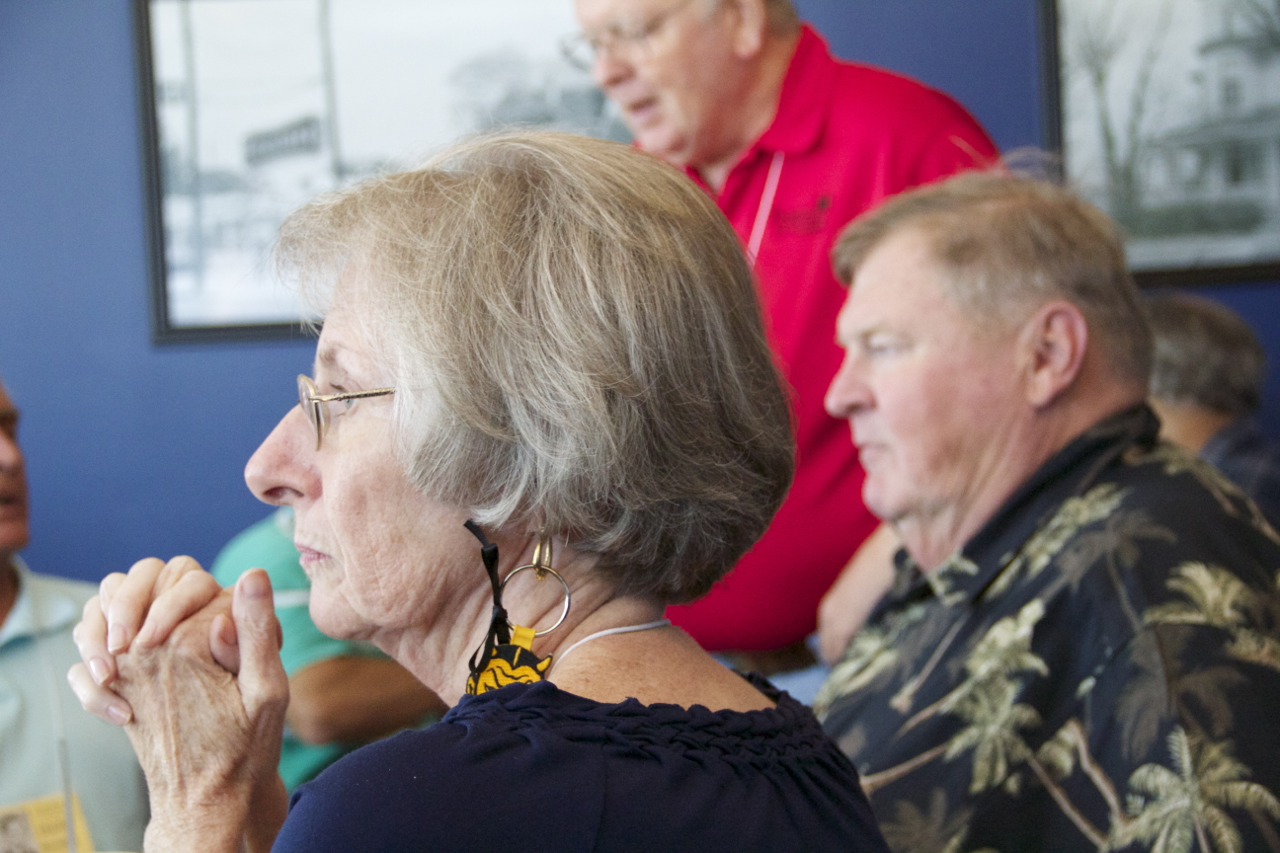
pixel 543 408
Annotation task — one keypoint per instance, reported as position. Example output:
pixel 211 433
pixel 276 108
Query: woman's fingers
pixel 224 645
pixel 91 633
pixel 144 605
pixel 107 588
pixel 179 594
pixel 130 605
pixel 90 637
pixel 127 608
pixel 98 700
pixel 263 683
pixel 207 741
pixel 142 609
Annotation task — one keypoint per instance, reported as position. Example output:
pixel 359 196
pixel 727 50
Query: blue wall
pixel 986 54
pixel 132 449
pixel 137 450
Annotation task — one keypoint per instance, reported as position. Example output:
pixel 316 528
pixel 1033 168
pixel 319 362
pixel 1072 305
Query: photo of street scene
pixel 263 104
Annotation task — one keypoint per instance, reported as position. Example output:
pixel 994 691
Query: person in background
pixel 47 745
pixel 341 693
pixel 1206 385
pixel 1081 651
pixel 792 144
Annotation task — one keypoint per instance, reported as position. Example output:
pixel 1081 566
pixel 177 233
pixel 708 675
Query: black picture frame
pixel 163 328
pixel 1060 124
pixel 226 156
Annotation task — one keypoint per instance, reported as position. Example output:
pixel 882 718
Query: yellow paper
pixel 43 823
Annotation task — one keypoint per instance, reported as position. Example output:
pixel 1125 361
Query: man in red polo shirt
pixel 793 144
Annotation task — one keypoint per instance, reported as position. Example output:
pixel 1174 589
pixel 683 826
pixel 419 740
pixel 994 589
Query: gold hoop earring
pixel 506 655
pixel 541 566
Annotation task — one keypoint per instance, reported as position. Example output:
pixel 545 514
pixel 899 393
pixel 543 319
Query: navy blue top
pixel 531 768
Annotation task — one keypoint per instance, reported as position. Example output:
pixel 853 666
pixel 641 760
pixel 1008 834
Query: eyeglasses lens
pixel 316 411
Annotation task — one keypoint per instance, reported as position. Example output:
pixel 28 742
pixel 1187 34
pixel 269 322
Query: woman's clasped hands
pixel 166 636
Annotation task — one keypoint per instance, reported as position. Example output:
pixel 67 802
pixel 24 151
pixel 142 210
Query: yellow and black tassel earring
pixel 506 656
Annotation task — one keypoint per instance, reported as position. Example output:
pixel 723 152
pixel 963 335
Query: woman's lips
pixel 308 556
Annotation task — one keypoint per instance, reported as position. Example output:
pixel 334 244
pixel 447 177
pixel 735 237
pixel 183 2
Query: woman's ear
pixel 1052 346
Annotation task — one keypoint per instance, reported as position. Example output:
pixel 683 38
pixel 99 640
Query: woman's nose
pixel 282 469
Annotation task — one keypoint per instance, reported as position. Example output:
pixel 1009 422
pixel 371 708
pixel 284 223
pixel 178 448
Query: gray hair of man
pixel 1008 244
pixel 1204 354
pixel 781 16
pixel 576 345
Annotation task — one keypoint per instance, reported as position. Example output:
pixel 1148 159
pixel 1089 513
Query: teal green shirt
pixel 269 545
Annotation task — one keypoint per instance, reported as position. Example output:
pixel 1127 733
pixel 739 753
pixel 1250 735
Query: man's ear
pixel 1052 347
pixel 750 22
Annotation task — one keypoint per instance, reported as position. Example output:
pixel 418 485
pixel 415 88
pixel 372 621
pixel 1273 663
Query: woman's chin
pixel 335 619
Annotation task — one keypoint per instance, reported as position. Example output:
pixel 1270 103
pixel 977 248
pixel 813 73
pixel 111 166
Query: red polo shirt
pixel 845 137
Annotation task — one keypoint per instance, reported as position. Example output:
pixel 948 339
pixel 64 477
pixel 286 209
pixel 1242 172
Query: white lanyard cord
pixel 608 632
pixel 765 208
pixel 61 750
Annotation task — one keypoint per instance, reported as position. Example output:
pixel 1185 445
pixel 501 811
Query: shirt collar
pixel 38 609
pixel 803 106
pixel 1068 473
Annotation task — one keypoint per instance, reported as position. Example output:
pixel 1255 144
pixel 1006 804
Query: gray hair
pixel 1010 244
pixel 576 343
pixel 781 18
pixel 1204 354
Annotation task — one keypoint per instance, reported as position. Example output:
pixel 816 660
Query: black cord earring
pixel 506 656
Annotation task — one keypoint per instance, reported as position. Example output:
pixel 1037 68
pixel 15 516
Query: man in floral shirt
pixel 1082 648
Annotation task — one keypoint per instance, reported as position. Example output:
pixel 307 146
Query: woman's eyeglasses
pixel 316 405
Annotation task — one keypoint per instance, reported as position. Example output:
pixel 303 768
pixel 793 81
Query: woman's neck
pixel 439 655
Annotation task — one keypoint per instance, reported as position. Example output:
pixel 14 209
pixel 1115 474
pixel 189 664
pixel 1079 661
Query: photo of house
pixel 1171 123
pixel 261 105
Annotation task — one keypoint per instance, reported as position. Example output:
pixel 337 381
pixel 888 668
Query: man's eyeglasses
pixel 581 50
pixel 316 405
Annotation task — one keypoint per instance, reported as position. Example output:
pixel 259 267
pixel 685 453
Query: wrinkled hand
pixel 140 610
pixel 208 740
pixel 193 672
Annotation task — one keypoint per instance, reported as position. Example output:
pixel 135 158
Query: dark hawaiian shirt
pixel 1097 669
pixel 1251 460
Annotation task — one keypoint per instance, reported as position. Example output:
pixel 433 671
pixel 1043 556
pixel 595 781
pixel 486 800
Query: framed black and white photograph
pixel 1169 119
pixel 257 106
